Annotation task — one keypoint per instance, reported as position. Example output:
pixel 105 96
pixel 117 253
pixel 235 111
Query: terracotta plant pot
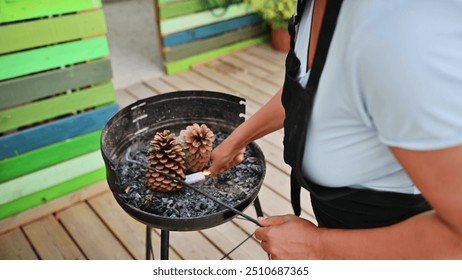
pixel 280 39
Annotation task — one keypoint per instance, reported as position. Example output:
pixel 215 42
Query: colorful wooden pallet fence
pixel 56 95
pixel 192 31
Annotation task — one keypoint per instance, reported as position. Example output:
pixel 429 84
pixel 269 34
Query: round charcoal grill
pixel 138 122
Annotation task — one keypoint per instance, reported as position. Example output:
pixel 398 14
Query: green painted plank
pixel 56 106
pixel 201 46
pixel 49 155
pixel 185 64
pixel 51 193
pixel 14 10
pixel 51 176
pixel 38 33
pixel 179 8
pixel 33 87
pixel 178 24
pixel 22 63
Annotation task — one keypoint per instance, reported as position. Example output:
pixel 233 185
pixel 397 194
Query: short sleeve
pixel 412 77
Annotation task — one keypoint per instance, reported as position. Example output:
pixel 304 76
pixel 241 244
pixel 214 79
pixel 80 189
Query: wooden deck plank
pixel 179 83
pixel 14 246
pixel 269 54
pixel 191 245
pixel 274 156
pixel 275 138
pixel 228 235
pixel 276 78
pixel 253 67
pixel 124 98
pixel 259 62
pixel 203 83
pixel 51 241
pixel 91 235
pixel 159 85
pixel 244 224
pixel 140 91
pixel 238 79
pixel 272 203
pixel 129 231
pixel 248 79
pixel 224 78
pixel 247 68
pixel 279 182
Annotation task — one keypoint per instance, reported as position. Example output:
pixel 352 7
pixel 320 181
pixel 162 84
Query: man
pixel 372 112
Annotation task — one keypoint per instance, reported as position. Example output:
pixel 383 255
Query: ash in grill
pixel 231 187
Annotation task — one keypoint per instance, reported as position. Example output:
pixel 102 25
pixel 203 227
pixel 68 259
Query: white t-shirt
pixel 393 77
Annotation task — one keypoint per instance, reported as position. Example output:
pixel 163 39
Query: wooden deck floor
pixel 88 224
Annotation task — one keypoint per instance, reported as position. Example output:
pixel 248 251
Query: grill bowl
pixel 138 122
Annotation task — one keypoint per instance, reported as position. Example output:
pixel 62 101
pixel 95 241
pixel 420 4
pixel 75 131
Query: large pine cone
pixel 197 143
pixel 165 155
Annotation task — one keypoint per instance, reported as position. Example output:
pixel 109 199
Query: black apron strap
pixel 295 189
pixel 325 37
pixel 329 23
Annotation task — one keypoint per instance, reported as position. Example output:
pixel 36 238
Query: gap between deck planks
pixel 107 232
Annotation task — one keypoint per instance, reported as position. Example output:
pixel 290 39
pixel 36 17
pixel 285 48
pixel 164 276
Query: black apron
pixel 333 207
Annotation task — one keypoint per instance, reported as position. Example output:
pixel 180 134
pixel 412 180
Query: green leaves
pixel 276 12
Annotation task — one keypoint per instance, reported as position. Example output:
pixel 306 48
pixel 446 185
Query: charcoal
pixel 231 187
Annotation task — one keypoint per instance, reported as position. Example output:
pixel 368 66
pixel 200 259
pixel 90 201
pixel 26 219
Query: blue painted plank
pixel 210 30
pixel 56 131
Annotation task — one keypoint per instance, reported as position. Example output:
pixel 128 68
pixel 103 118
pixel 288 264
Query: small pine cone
pixel 197 143
pixel 165 155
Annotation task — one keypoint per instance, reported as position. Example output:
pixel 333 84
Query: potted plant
pixel 277 13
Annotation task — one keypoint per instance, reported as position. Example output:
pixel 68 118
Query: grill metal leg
pixel 148 242
pixel 164 244
pixel 165 236
pixel 258 209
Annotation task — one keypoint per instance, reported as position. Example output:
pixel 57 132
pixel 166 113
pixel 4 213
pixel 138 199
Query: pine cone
pixel 166 155
pixel 197 144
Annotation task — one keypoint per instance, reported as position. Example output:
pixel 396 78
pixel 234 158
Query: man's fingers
pixel 274 220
